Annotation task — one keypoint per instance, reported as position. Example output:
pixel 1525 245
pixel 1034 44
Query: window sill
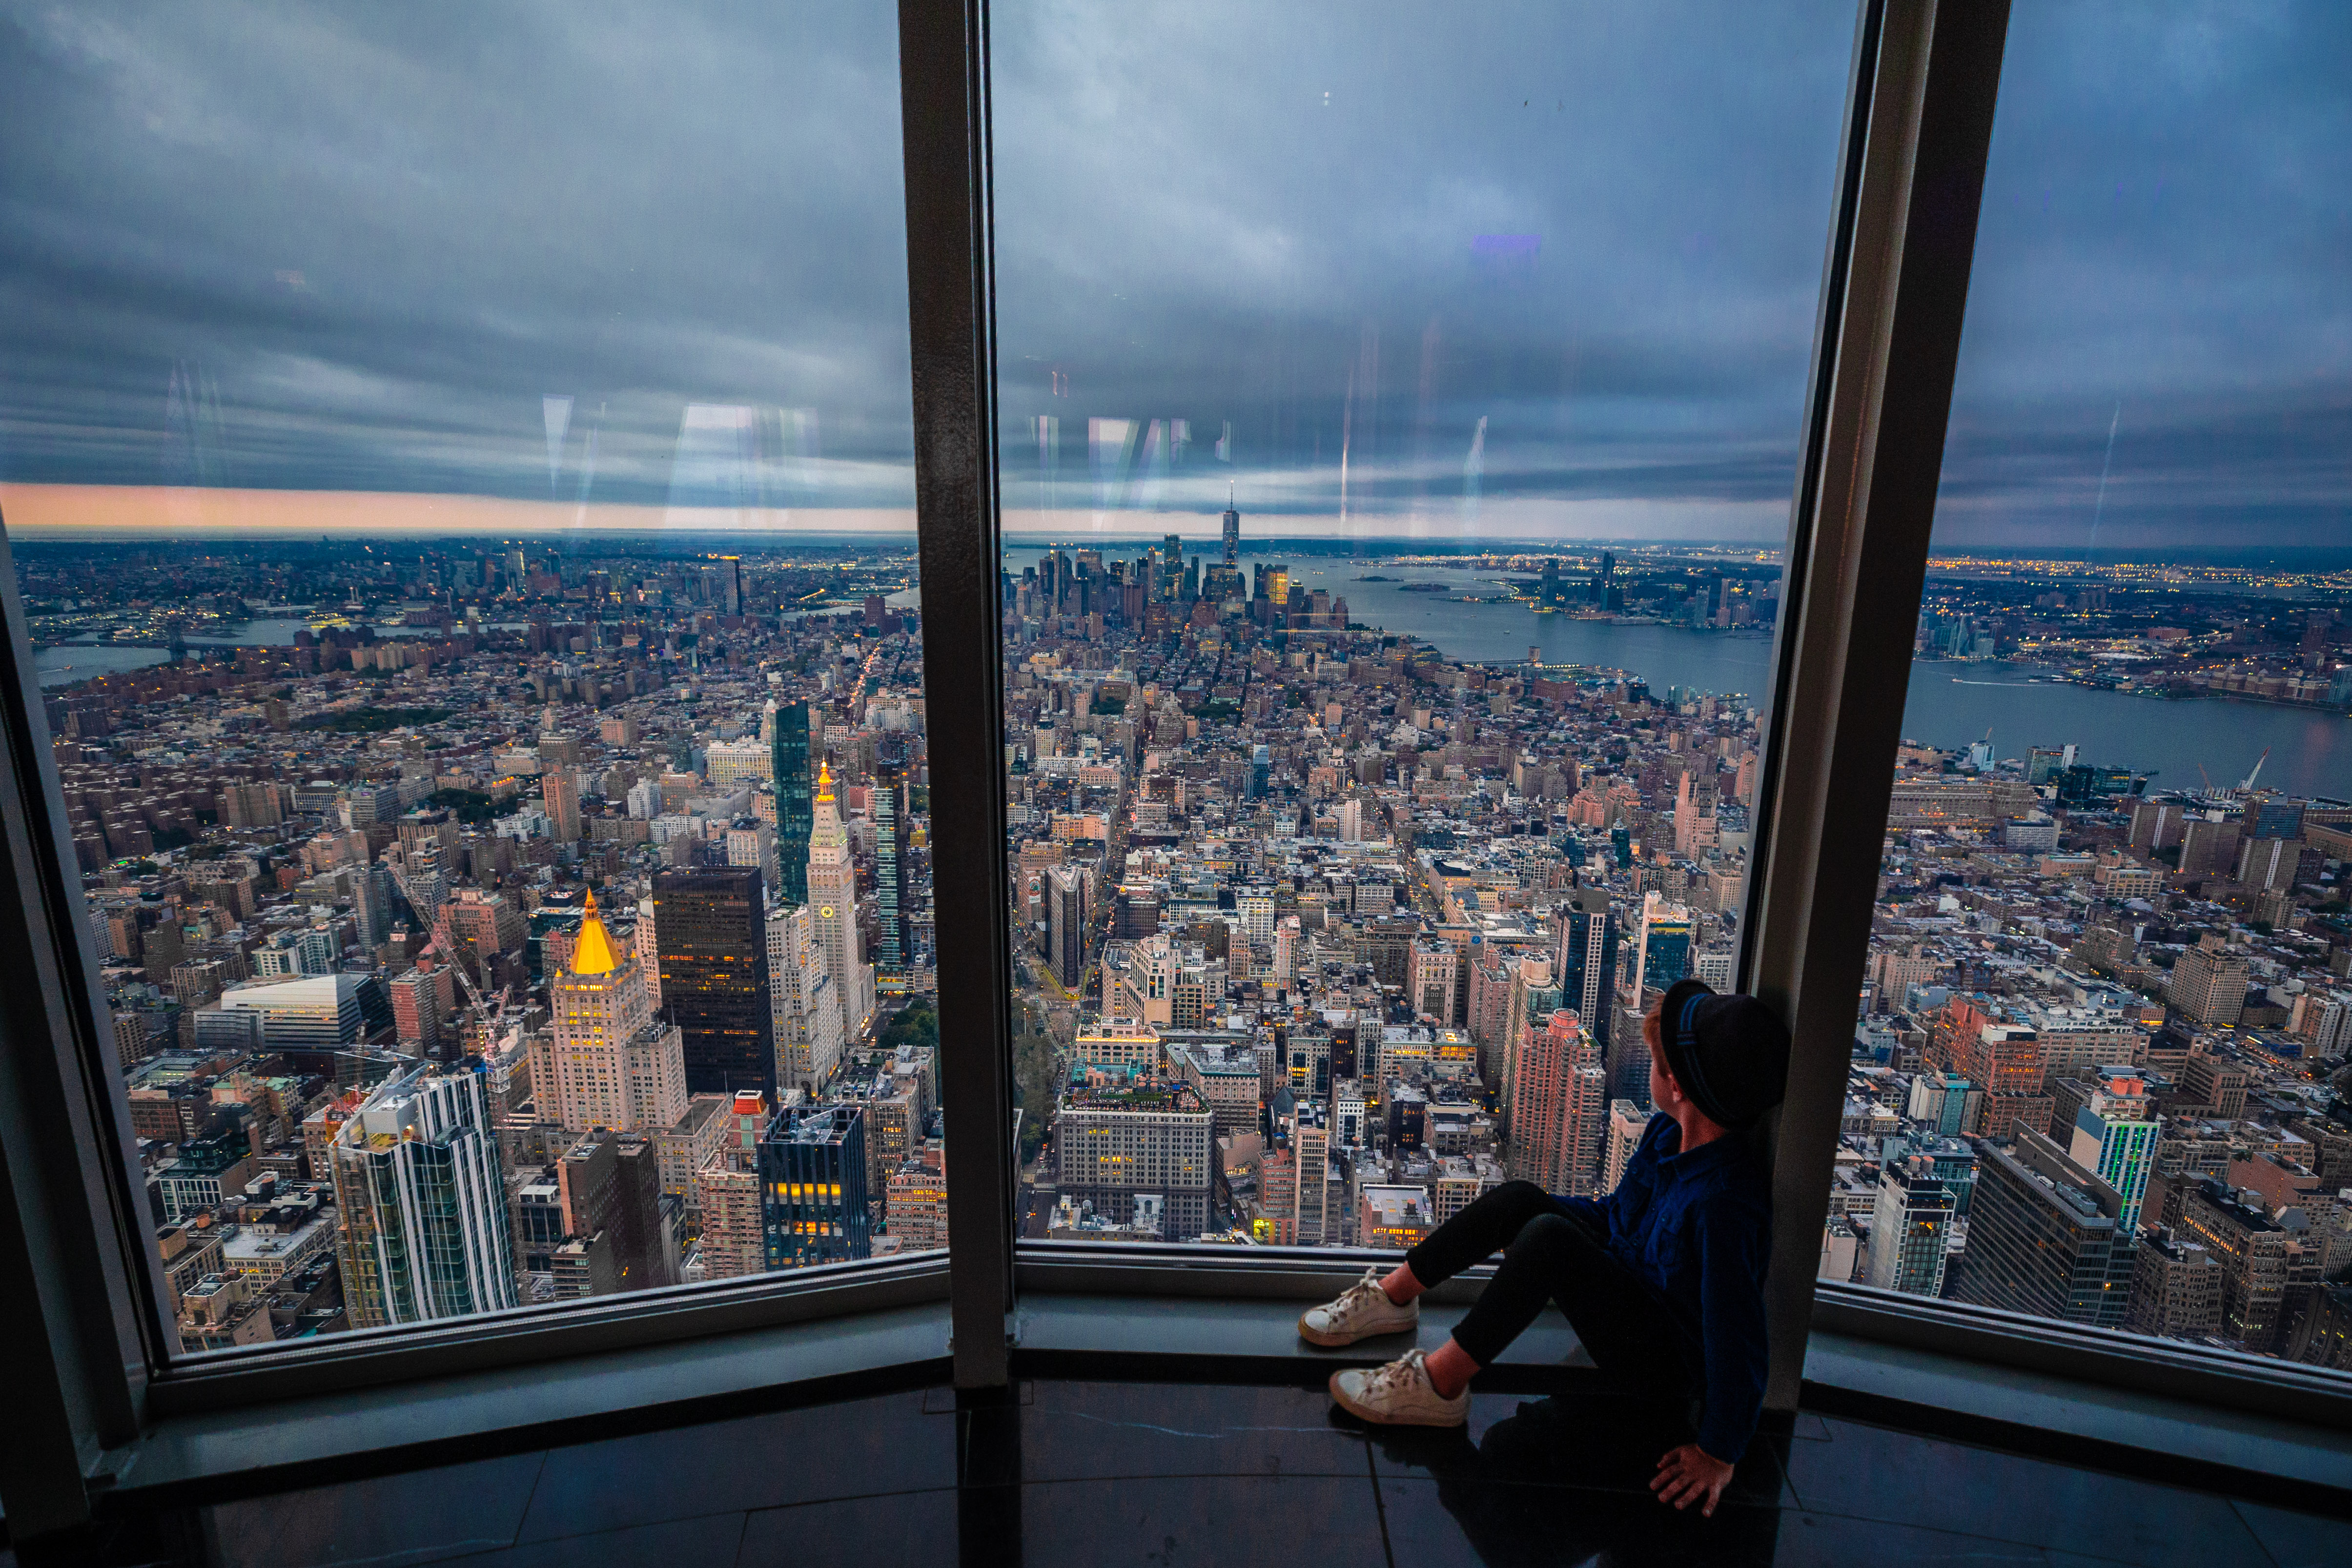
pixel 1179 1331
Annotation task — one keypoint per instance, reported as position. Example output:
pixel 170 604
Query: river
pixel 1950 705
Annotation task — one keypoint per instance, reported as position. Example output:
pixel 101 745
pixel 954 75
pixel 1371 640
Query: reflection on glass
pixel 1400 422
pixel 458 475
pixel 2107 988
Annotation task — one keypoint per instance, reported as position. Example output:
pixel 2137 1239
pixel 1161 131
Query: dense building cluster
pixel 577 938
pixel 563 930
pixel 1329 934
pixel 2100 1066
pixel 1394 921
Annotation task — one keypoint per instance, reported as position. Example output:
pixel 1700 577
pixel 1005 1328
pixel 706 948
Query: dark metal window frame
pixel 91 1357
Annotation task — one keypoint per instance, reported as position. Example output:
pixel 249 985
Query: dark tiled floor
pixel 1168 1476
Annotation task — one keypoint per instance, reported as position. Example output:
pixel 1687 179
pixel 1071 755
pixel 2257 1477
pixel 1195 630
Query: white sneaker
pixel 1363 1311
pixel 1397 1394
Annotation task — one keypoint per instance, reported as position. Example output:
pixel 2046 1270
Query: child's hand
pixel 1690 1474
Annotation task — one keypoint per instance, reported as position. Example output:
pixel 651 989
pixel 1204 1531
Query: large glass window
pixel 458 465
pixel 1399 419
pixel 2108 975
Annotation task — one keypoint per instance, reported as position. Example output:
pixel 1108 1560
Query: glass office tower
pixel 711 931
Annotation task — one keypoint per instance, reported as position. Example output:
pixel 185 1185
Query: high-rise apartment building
pixel 832 883
pixel 1436 968
pixel 2045 1236
pixel 795 809
pixel 2209 982
pixel 713 943
pixel 645 941
pixel 813 1189
pixel 2114 1137
pixel 423 1009
pixel 2252 1249
pixel 1909 1224
pixel 1310 1146
pixel 422 1196
pixel 2176 1289
pixel 560 788
pixel 806 1005
pixel 1560 1101
pixel 1627 1122
pixel 606 1061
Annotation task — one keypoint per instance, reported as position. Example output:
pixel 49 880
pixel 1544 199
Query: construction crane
pixel 479 1011
pixel 2247 787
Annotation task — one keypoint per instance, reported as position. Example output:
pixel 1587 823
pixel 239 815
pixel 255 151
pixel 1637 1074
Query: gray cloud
pixel 364 244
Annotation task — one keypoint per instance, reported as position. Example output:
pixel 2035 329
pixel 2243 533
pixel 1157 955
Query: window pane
pixel 458 465
pixel 1400 418
pixel 2107 982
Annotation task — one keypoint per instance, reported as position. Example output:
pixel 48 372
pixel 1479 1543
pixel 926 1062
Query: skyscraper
pixel 606 1061
pixel 608 1193
pixel 806 1007
pixel 1663 956
pixel 714 976
pixel 1586 962
pixel 813 1197
pixel 2209 982
pixel 425 1229
pixel 832 883
pixel 2045 1237
pixel 1559 1107
pixel 1233 534
pixel 1065 922
pixel 892 951
pixel 1908 1227
pixel 2114 1138
pixel 793 811
pixel 561 789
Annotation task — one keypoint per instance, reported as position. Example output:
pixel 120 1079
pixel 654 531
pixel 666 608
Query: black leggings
pixel 1625 1325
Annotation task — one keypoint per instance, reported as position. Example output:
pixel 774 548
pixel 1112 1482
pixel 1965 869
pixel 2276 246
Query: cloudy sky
pixel 1501 270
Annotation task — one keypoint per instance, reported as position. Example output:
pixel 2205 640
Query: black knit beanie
pixel 1730 1054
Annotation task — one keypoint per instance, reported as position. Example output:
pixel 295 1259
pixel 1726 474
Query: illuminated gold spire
pixel 592 953
pixel 824 781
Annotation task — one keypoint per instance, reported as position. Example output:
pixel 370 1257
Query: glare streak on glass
pixel 2099 1068
pixel 459 468
pixel 1401 415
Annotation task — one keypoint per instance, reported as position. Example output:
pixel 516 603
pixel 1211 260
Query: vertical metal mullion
pixel 943 104
pixel 1890 333
pixel 80 1287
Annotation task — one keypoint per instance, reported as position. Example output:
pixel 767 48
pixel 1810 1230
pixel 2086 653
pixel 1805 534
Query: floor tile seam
pixel 530 1498
pixel 1380 1505
pixel 1776 1506
pixel 2044 1546
pixel 451 1551
pixel 746 1509
pixel 1214 1475
pixel 1400 1472
pixel 2272 1556
pixel 2096 1472
pixel 634 1524
pixel 947 1490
